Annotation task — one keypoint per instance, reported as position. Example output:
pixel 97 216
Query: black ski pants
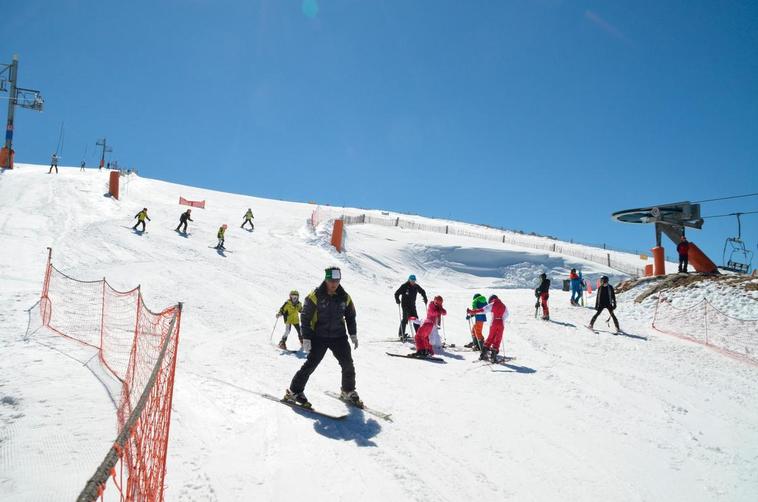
pixel 252 227
pixel 139 223
pixel 340 348
pixel 53 166
pixel 610 311
pixel 683 262
pixel 182 223
pixel 408 311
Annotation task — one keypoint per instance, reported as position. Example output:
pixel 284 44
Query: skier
pixel 576 287
pixel 291 312
pixel 81 167
pixel 248 219
pixel 325 312
pixel 477 338
pixel 183 219
pixel 53 164
pixel 433 314
pixel 408 291
pixel 543 293
pixel 499 314
pixel 683 248
pixel 220 235
pixel 605 299
pixel 141 216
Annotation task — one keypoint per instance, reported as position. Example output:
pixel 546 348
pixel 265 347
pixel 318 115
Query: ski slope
pixel 576 416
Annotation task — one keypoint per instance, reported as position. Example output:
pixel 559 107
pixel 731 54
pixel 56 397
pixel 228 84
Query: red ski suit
pixel 499 311
pixel 433 313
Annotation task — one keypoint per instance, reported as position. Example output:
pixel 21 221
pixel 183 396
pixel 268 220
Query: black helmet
pixel 604 278
pixel 492 297
pixel 543 276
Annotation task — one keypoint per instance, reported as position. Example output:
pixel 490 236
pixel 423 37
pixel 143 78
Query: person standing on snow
pixel 543 293
pixel 477 337
pixel 325 313
pixel 576 287
pixel 406 297
pixel 248 219
pixel 53 164
pixel 220 235
pixel 141 217
pixel 81 166
pixel 605 298
pixel 291 312
pixel 183 219
pixel 499 314
pixel 433 314
pixel 683 249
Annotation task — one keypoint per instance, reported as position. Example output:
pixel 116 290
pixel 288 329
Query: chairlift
pixel 740 257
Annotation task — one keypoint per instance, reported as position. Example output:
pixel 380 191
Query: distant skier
pixel 183 219
pixel 576 287
pixel 406 297
pixel 605 298
pixel 248 219
pixel 54 164
pixel 683 248
pixel 220 235
pixel 325 312
pixel 291 312
pixel 81 167
pixel 433 314
pixel 141 217
pixel 499 313
pixel 543 293
pixel 477 336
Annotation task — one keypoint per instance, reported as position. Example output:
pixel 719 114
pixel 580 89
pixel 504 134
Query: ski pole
pixel 444 338
pixel 271 338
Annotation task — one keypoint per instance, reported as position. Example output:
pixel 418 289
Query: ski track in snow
pixel 577 416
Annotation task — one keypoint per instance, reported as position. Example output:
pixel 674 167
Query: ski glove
pixel 354 339
pixel 306 345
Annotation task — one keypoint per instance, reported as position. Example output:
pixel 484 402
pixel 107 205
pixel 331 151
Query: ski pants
pixel 252 227
pixel 182 224
pixel 610 311
pixel 220 242
pixel 543 299
pixel 51 168
pixel 407 312
pixel 683 262
pixel 340 348
pixel 496 335
pixel 288 327
pixel 576 295
pixel 142 222
pixel 422 337
pixel 476 330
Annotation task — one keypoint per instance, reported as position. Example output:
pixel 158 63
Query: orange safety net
pixel 130 340
pixel 703 323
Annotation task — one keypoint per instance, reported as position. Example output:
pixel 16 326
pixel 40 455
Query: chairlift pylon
pixel 740 257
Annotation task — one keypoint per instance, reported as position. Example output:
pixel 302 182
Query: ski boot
pixel 283 344
pixel 545 317
pixel 493 355
pixel 352 397
pixel 297 398
pixel 478 345
pixel 483 355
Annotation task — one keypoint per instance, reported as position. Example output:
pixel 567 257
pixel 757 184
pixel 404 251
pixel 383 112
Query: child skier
pixel 499 314
pixel 291 312
pixel 605 298
pixel 576 287
pixel 477 338
pixel 433 313
pixel 220 235
pixel 543 293
pixel 248 219
pixel 141 216
pixel 53 164
pixel 183 219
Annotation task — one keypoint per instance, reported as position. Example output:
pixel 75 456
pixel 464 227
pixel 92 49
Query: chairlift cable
pixel 730 214
pixel 726 198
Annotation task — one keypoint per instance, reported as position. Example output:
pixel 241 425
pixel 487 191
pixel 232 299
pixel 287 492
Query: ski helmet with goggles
pixel 438 300
pixel 492 297
pixel 604 278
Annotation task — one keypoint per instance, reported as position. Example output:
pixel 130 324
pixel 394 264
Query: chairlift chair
pixel 740 257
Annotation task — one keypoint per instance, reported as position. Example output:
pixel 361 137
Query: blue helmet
pixel 411 277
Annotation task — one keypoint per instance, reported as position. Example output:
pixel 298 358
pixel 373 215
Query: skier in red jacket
pixel 433 313
pixel 499 312
pixel 683 249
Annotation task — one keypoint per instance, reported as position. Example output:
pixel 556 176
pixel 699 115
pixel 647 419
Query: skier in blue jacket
pixel 576 286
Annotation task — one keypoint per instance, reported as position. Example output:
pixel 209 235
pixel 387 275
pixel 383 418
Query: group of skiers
pixel 186 217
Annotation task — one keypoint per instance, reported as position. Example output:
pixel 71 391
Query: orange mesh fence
pixel 139 348
pixel 703 323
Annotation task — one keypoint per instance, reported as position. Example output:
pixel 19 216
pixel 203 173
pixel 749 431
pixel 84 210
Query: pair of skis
pixel 335 395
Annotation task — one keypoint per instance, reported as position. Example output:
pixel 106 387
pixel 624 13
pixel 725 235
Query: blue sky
pixel 541 115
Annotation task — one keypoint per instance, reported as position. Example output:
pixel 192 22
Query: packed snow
pixel 578 415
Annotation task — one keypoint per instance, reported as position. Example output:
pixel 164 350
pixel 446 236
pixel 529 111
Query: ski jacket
pixel 142 215
pixel 479 302
pixel 291 312
pixel 408 294
pixel 605 298
pixel 683 248
pixel 433 313
pixel 54 159
pixel 249 215
pixel 185 217
pixel 497 308
pixel 325 316
pixel 221 231
pixel 544 287
pixel 576 282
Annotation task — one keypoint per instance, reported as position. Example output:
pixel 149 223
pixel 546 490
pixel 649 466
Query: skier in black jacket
pixel 605 299
pixel 325 312
pixel 543 293
pixel 183 219
pixel 408 291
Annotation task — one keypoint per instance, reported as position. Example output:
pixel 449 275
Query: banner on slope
pixel 193 203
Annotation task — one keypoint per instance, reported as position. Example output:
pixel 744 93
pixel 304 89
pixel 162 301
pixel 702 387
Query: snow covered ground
pixel 576 416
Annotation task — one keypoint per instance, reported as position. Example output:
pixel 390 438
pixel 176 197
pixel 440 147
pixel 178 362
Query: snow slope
pixel 577 416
